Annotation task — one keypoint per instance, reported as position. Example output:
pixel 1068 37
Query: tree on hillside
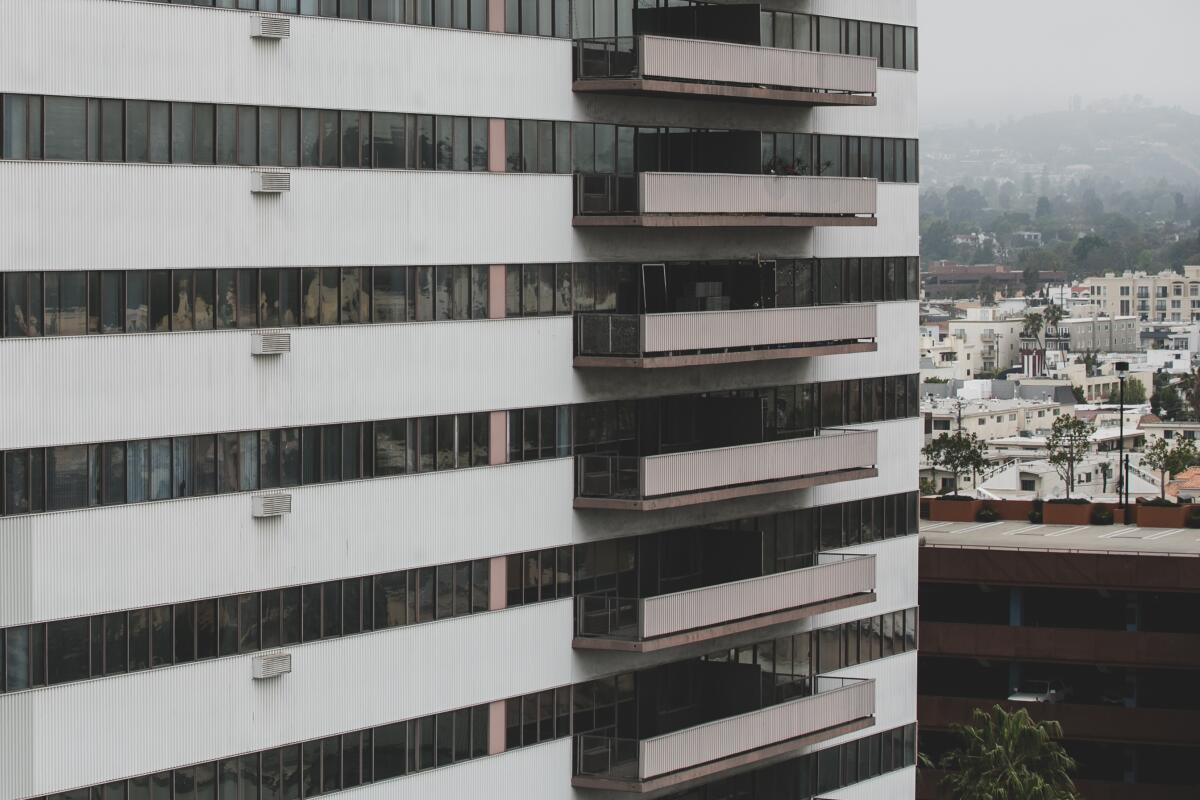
pixel 1191 392
pixel 1008 756
pixel 1069 443
pixel 1044 211
pixel 1135 393
pixel 958 453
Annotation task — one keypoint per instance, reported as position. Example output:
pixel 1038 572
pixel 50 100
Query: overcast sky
pixel 990 60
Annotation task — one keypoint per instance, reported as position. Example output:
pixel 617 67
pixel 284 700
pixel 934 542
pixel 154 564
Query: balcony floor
pixel 728 357
pixel 726 493
pixel 721 767
pixel 719 221
pixel 665 87
pixel 724 629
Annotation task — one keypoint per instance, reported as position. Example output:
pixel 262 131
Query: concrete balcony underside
pixel 1079 722
pixel 705 220
pixel 666 87
pixel 1061 645
pixel 758 738
pixel 684 339
pixel 698 615
pixel 666 361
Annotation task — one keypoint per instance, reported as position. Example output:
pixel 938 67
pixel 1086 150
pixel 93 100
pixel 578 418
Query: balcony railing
pixel 707 337
pixel 839 705
pixel 665 65
pixel 694 199
pixel 699 476
pixel 604 621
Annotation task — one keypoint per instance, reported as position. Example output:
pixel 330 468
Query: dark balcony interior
pixel 683 423
pixel 607 58
pixel 694 558
pixel 612 188
pixel 632 707
pixel 1085 685
pixel 1040 607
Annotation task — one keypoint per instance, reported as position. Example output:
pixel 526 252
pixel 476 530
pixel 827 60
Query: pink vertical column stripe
pixel 496 146
pixel 496 16
pixel 498 443
pixel 496 279
pixel 497 583
pixel 496 727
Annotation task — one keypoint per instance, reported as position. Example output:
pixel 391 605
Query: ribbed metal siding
pixel 713 193
pixel 173 716
pixel 207 55
pixel 897 231
pixel 146 385
pixel 727 737
pixel 158 384
pixel 713 605
pixel 702 330
pixel 900 12
pixel 751 463
pixel 127 216
pixel 695 60
pixel 73 563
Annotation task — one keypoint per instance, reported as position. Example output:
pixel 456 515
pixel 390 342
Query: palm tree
pixel 1033 327
pixel 1003 756
pixel 1053 315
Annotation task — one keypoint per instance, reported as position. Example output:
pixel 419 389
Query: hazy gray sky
pixel 991 59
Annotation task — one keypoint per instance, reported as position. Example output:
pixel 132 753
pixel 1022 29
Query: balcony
pixel 662 66
pixel 1062 645
pixel 646 341
pixel 604 621
pixel 722 200
pixel 1096 723
pixel 691 477
pixel 838 706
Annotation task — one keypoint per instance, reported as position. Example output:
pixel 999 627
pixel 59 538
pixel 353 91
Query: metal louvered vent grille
pixel 271 665
pixel 271 343
pixel 271 28
pixel 271 181
pixel 272 505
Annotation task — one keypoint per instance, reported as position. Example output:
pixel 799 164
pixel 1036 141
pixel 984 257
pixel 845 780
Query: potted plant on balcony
pixel 957 453
pixel 1069 443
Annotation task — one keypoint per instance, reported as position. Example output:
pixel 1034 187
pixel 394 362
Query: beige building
pixel 945 357
pixel 1164 297
pixel 993 341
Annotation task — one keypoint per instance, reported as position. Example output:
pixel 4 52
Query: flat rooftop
pixel 1004 535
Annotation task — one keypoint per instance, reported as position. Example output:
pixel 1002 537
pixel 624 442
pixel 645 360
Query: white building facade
pixel 373 428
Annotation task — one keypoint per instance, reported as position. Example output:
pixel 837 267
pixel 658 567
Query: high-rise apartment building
pixel 458 398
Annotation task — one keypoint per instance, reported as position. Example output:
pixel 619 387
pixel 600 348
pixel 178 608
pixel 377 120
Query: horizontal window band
pixel 102 302
pixel 129 641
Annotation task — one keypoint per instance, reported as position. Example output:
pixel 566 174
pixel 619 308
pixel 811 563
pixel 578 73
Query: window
pixel 83 129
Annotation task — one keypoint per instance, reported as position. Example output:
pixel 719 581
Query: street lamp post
pixel 1122 472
